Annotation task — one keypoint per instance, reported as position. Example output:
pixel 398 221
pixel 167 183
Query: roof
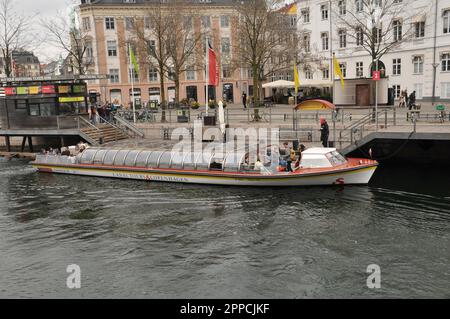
pixel 319 150
pixel 24 57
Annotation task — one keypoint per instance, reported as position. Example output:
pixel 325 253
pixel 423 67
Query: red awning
pixel 315 105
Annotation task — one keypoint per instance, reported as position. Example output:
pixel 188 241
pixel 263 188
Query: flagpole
pixel 332 98
pixel 132 83
pixel 207 75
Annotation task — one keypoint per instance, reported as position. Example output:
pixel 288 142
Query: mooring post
pixel 30 144
pixel 8 144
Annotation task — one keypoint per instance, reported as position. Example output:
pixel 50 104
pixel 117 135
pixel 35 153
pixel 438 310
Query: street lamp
pixel 435 66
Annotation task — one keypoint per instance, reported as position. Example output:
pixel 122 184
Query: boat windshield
pixel 336 159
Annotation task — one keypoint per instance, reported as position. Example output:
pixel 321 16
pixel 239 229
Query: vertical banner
pixel 213 67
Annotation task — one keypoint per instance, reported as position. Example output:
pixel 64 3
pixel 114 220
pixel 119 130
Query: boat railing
pixel 55 159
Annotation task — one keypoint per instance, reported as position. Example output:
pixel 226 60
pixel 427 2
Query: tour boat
pixel 319 166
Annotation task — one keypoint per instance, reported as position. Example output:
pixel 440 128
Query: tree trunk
pixel 162 95
pixel 257 117
pixel 177 89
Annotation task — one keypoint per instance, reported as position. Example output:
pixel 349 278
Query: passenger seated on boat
pixel 259 166
pixel 65 151
pixel 215 166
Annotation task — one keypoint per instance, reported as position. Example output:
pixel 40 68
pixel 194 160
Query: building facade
pixel 421 62
pixel 24 64
pixel 106 22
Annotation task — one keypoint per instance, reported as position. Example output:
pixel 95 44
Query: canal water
pixel 141 240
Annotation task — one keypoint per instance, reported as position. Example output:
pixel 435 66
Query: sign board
pixel 22 90
pixel 48 89
pixel 64 89
pixel 376 75
pixel 57 78
pixel 71 99
pixel 34 90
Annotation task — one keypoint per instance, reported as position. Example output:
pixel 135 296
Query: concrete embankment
pixel 403 147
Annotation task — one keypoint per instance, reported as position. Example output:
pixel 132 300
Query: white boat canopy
pixel 228 162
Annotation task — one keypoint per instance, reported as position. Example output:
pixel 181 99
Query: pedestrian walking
pixel 412 100
pixel 244 99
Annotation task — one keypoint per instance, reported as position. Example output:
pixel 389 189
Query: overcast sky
pixel 44 9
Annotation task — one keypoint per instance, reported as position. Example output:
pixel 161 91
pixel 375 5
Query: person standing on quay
pixel 244 99
pixel 324 132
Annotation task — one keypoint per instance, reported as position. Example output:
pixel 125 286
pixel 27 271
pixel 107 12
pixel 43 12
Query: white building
pixel 420 63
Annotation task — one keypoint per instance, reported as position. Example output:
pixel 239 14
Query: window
pixel 225 45
pixel 343 69
pixel 89 51
pixel 86 24
pixel 112 48
pixel 129 23
pixel 359 69
pixel 418 87
pixel 377 35
pixel 445 90
pixel 152 75
pixel 324 11
pixel 308 74
pixel 359 37
pixel 224 22
pixel 398 31
pixel 147 23
pixel 359 6
pixel 445 61
pixel 109 23
pixel 114 75
pixel 151 46
pixel 342 5
pixel 397 67
pixel 325 41
pixel 190 73
pixel 419 29
pixel 418 64
pixel 446 18
pixel 342 39
pixel 293 21
pixel 226 72
pixel 379 3
pixel 325 74
pixel 206 21
pixel 305 15
pixel 132 75
pixel 307 43
pixel 397 91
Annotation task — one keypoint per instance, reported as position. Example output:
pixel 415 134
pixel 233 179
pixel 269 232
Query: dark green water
pixel 140 240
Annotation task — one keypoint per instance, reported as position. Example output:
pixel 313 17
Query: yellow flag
pixel 296 79
pixel 338 71
pixel 134 61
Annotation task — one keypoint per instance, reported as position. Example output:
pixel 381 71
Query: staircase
pixel 108 132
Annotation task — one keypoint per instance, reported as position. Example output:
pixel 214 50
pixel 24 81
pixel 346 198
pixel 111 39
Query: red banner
pixel 48 89
pixel 213 68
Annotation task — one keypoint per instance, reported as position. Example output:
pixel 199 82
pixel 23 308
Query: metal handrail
pixel 129 126
pixel 89 124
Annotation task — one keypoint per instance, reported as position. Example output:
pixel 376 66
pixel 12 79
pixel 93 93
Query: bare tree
pixel 14 32
pixel 71 37
pixel 152 35
pixel 263 33
pixel 378 26
pixel 182 43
